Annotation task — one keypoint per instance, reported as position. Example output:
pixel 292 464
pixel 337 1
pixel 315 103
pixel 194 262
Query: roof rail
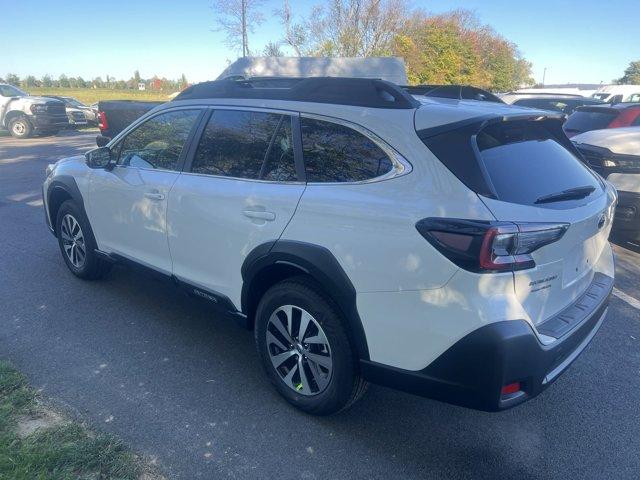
pixel 359 92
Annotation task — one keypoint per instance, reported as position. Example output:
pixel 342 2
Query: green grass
pixel 92 95
pixel 63 451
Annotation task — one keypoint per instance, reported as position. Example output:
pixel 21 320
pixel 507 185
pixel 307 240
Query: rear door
pixel 239 190
pixel 527 167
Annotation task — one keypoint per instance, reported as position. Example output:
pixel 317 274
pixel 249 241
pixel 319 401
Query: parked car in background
pixel 554 102
pixel 90 112
pixel 456 249
pixel 115 115
pixel 615 154
pixel 24 115
pixel 618 93
pixel 597 117
pixel 76 111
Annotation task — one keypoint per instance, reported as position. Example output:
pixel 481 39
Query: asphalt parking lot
pixel 134 356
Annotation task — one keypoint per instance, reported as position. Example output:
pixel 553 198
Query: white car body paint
pixel 413 302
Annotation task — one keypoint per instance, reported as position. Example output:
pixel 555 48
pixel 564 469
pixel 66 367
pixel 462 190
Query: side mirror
pixel 100 158
pixel 101 140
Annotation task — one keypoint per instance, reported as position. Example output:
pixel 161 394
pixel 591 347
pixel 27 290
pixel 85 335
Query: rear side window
pixel 586 120
pixel 525 162
pixel 242 144
pixel 336 153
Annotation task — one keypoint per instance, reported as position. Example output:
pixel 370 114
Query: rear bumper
pixel 472 372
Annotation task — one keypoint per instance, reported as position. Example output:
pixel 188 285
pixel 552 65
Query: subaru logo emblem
pixel 602 220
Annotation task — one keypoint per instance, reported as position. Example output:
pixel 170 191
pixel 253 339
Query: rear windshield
pixel 586 120
pixel 518 161
pixel 525 162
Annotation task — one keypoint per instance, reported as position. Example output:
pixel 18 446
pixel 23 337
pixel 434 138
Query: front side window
pixel 244 144
pixel 158 142
pixel 336 153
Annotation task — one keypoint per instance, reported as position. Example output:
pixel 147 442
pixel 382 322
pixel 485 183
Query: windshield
pixel 11 91
pixel 601 96
pixel 72 102
pixel 586 120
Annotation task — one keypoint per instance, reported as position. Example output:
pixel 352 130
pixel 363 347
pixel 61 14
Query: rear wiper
pixel 570 194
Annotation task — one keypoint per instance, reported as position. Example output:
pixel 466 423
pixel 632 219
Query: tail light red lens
pixel 489 246
pixel 511 388
pixel 102 121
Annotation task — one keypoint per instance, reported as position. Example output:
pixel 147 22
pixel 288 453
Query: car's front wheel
pixel 305 349
pixel 77 243
pixel 20 127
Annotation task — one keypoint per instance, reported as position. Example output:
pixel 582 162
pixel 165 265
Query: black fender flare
pixel 319 263
pixel 68 184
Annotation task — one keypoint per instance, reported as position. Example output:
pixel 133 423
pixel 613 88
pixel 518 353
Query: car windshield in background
pixel 11 91
pixel 586 120
pixel 600 96
pixel 72 102
pixel 518 157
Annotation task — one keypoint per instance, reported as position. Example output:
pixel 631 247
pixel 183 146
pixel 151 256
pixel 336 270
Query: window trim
pixel 401 165
pixel 295 133
pixel 118 141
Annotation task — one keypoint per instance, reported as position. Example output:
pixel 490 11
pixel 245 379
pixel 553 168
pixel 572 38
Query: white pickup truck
pixel 24 115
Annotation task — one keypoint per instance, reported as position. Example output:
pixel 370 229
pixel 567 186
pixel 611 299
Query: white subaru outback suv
pixel 455 249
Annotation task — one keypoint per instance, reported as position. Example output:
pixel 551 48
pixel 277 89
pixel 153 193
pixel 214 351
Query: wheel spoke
pixel 304 324
pixel 319 359
pixel 276 322
pixel 271 338
pixel 320 378
pixel 318 339
pixel 280 358
pixel 304 381
pixel 65 235
pixel 288 379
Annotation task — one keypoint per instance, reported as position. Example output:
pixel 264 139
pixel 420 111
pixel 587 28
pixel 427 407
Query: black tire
pixel 91 267
pixel 345 385
pixel 20 127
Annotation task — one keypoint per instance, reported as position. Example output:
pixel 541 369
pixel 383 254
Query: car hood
pixel 624 141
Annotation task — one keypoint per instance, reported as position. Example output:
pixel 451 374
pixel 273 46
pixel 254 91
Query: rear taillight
pixel 480 246
pixel 102 121
pixel 625 118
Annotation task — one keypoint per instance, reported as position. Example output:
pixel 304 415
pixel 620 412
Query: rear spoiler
pixel 604 108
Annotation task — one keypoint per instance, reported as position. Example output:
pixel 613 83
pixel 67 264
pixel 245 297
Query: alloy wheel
pixel 73 241
pixel 299 350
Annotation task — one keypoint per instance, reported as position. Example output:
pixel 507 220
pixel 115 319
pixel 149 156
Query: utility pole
pixel 245 47
pixel 544 75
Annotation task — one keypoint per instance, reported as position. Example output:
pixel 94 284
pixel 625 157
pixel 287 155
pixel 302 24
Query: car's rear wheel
pixel 20 127
pixel 305 349
pixel 77 243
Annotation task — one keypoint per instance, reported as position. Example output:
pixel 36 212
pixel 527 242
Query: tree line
pixel 64 81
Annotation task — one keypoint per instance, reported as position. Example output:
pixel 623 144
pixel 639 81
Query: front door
pixel 127 206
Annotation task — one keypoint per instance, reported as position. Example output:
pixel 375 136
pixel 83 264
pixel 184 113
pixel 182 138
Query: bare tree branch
pixel 238 18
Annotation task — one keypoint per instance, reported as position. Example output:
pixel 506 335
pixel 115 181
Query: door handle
pixel 260 215
pixel 154 195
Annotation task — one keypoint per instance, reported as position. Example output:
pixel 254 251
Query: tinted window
pixel 585 120
pixel 543 104
pixel 525 162
pixel 241 144
pixel 158 142
pixel 335 153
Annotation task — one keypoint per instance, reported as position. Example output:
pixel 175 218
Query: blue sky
pixel 579 41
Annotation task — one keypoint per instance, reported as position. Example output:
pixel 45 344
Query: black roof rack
pixel 360 92
pixel 457 92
